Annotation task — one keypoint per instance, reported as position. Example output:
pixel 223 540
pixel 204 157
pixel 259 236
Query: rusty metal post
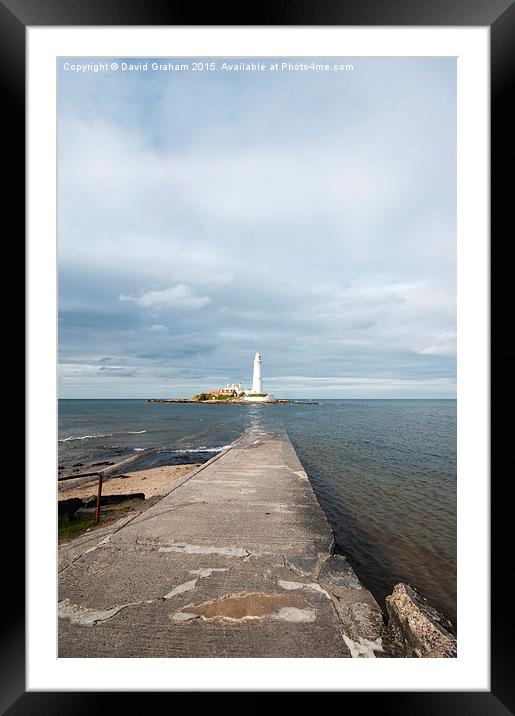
pixel 99 495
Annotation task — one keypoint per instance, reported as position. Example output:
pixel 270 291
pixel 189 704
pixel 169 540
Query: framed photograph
pixel 258 356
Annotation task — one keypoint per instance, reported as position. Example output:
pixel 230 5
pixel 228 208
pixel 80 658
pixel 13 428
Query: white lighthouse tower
pixel 257 383
pixel 256 395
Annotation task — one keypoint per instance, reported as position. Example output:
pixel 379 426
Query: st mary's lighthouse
pixel 257 383
pixel 256 395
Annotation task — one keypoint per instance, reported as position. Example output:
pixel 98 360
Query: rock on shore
pixel 415 629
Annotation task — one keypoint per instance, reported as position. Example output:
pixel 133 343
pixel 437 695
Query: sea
pixel 384 471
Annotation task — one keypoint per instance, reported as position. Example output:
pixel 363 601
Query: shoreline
pixel 151 481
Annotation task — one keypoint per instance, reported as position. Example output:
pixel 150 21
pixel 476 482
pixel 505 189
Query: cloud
pixel 180 296
pixel 308 216
pixel 117 371
pixel 443 344
pixel 84 370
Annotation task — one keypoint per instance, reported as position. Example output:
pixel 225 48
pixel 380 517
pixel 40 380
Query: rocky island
pixel 232 393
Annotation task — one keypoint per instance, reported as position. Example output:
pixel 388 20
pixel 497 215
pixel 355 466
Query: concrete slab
pixel 235 561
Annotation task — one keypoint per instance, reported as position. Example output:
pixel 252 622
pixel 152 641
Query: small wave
pixel 203 449
pixel 138 449
pixel 85 437
pixel 100 435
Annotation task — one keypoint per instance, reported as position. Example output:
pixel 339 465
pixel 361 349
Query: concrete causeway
pixel 235 561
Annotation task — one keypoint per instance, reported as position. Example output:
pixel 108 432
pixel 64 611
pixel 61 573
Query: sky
pixel 307 215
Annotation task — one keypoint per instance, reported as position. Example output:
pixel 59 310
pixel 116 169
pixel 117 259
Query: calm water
pixel 384 471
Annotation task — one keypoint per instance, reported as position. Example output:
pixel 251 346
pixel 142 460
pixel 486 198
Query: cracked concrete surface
pixel 214 571
pixel 205 549
pixel 181 588
pixel 246 606
pixel 208 571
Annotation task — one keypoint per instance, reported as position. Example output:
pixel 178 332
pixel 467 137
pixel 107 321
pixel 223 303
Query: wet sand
pixel 152 482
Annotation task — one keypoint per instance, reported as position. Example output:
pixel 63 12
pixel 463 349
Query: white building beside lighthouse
pixel 257 395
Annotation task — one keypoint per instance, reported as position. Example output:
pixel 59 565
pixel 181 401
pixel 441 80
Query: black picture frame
pixel 499 15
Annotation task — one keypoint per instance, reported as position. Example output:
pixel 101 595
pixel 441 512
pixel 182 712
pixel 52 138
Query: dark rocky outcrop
pixel 415 629
pixel 116 499
pixel 69 507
